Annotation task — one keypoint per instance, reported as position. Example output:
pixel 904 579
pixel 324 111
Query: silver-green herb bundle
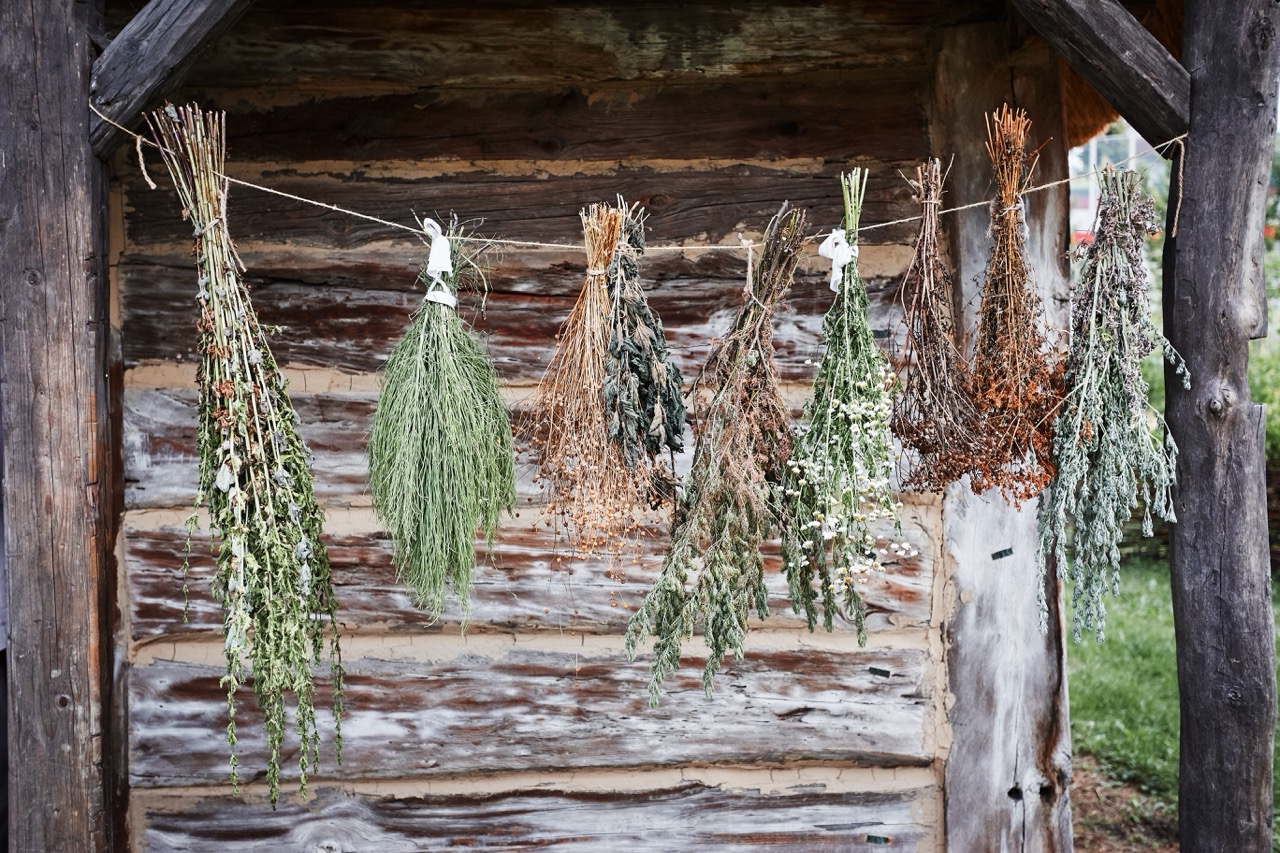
pixel 272 576
pixel 441 456
pixel 1111 448
pixel 713 573
pixel 837 483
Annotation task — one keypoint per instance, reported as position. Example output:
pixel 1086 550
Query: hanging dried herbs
pixel 934 414
pixel 272 574
pixel 441 460
pixel 1110 446
pixel 836 484
pixel 1017 382
pixel 730 503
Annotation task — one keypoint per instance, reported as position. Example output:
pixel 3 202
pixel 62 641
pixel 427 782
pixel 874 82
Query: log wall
pixel 532 728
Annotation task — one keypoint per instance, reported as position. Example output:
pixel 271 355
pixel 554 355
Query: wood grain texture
pixel 1213 302
pixel 544 710
pixel 148 57
pixel 704 818
pixel 1008 772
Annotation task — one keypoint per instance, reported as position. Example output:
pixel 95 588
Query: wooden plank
pixel 150 56
pixel 1119 58
pixel 542 710
pixel 57 483
pixel 686 816
pixel 524 585
pixel 1008 771
pixel 1213 301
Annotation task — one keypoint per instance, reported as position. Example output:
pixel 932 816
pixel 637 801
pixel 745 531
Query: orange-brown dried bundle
pixel 934 415
pixel 1017 380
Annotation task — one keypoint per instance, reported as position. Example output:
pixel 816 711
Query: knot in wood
pixel 1216 406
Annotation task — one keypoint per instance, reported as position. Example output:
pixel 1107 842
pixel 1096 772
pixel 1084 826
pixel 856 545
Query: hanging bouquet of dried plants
pixel 1111 448
pixel 1017 381
pixel 836 485
pixel 441 457
pixel 602 394
pixel 272 575
pixel 713 573
pixel 934 413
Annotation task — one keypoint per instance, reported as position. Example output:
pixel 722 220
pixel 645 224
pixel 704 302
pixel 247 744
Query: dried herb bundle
pixel 596 501
pixel 1109 445
pixel 1017 382
pixel 642 388
pixel 441 460
pixel 836 484
pixel 713 573
pixel 934 414
pixel 272 574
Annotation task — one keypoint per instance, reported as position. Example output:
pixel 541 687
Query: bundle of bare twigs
pixel 934 415
pixel 272 576
pixel 1017 380
pixel 731 502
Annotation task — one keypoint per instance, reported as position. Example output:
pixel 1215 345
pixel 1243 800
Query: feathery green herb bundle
pixel 272 574
pixel 934 414
pixel 642 388
pixel 836 484
pixel 1109 445
pixel 730 503
pixel 1017 382
pixel 441 457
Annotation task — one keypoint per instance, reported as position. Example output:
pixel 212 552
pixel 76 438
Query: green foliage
pixel 1109 450
pixel 837 482
pixel 1264 387
pixel 713 573
pixel 441 458
pixel 272 576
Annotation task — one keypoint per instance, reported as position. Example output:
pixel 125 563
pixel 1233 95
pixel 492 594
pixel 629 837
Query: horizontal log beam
pixel 1120 59
pixel 151 56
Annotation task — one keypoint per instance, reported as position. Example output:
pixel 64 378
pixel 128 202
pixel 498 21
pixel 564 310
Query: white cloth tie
pixel 838 249
pixel 439 262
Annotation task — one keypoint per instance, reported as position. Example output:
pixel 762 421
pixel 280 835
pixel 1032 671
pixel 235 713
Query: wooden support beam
pixel 57 488
pixel 151 56
pixel 1119 58
pixel 1213 301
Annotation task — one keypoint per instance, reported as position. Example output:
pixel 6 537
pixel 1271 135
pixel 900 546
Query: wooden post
pixel 57 495
pixel 1213 302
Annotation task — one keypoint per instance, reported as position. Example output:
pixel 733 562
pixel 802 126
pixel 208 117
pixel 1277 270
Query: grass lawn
pixel 1124 692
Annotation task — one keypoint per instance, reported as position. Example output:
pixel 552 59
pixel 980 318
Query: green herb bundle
pixel 642 387
pixel 730 504
pixel 441 456
pixel 272 574
pixel 1111 448
pixel 836 484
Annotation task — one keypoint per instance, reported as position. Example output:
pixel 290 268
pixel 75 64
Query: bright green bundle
pixel 441 457
pixel 1110 447
pixel 837 482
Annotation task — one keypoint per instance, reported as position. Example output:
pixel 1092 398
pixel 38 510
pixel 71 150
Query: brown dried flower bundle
pixel 1017 381
pixel 934 414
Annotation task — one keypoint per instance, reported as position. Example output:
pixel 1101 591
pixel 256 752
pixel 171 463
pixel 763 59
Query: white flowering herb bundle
pixel 837 483
pixel 1112 450
pixel 272 576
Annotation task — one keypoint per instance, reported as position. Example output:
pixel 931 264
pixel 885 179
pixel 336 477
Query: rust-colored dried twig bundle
pixel 1017 381
pixel 934 414
pixel 595 501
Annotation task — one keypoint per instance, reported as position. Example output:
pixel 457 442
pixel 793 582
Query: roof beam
pixel 1120 59
pixel 150 57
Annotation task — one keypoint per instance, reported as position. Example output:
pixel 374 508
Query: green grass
pixel 1124 692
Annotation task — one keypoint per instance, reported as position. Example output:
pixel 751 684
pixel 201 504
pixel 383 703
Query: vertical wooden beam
pixel 1213 300
pixel 53 328
pixel 1009 768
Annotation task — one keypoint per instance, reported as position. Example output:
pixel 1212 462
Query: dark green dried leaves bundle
pixel 642 387
pixel 441 460
pixel 730 504
pixel 1110 447
pixel 272 575
pixel 836 485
